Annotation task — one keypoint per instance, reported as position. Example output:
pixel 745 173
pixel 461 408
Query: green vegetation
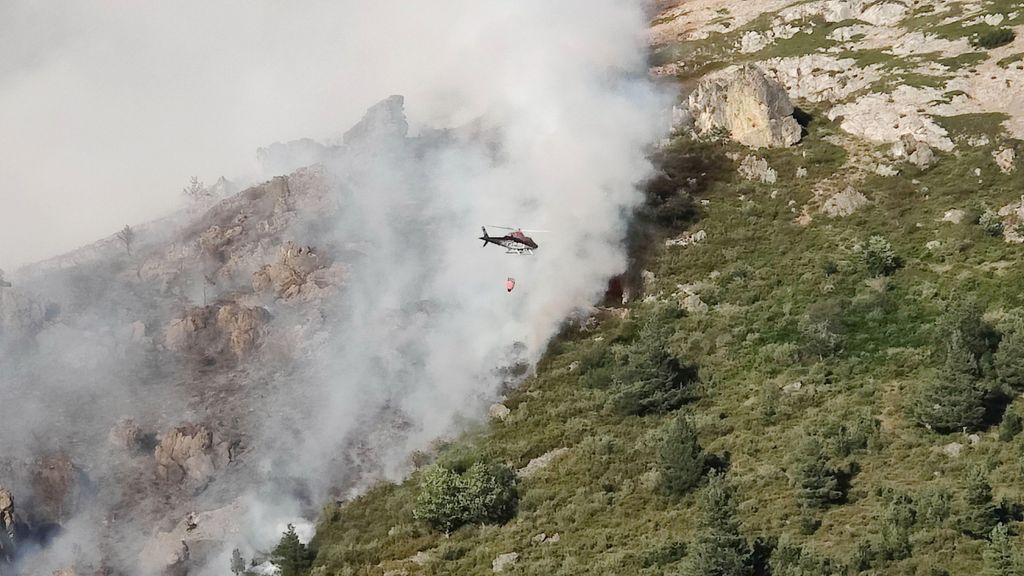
pixel 817 371
pixel 682 460
pixel 485 493
pixel 994 38
pixel 290 555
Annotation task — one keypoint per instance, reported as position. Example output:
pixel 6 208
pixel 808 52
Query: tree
pixel 1001 557
pixel 1010 426
pixel 1009 358
pixel 127 237
pixel 956 399
pixel 485 493
pixel 291 555
pixel 894 532
pixel 682 460
pixel 237 562
pixel 966 316
pixel 880 258
pixel 818 481
pixel 719 550
pixel 653 380
pixel 982 514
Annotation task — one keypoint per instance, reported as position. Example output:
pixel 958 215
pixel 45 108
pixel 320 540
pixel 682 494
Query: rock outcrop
pixel 298 272
pixel 757 169
pixel 125 435
pixel 214 330
pixel 1005 159
pixel 384 121
pixel 189 453
pixel 7 525
pixel 751 108
pixel 912 150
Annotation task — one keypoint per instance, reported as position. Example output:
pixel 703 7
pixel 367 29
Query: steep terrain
pixel 834 243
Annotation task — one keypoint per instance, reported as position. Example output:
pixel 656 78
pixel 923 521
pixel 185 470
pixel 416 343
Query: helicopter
pixel 515 242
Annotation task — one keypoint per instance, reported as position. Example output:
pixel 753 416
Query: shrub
pixel 485 493
pixel 820 329
pixel 895 529
pixel 991 223
pixel 966 316
pixel 682 460
pixel 994 38
pixel 880 258
pixel 1001 556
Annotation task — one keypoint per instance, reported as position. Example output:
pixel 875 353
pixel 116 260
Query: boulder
pixel 504 561
pixel 8 525
pixel 954 216
pixel 1005 160
pixel 844 203
pixel 499 412
pixel 953 449
pixel 753 109
pixel 757 169
pixel 912 150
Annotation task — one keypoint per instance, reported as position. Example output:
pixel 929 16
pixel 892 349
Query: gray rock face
pixel 384 121
pixel 753 109
pixel 189 453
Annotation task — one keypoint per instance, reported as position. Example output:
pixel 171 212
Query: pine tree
pixel 291 555
pixel 819 482
pixel 237 562
pixel 1001 558
pixel 682 460
pixel 982 514
pixel 719 550
pixel 1009 358
pixel 895 529
pixel 956 399
pixel 653 380
pixel 1010 426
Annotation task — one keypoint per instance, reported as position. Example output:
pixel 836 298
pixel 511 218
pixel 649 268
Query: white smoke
pixel 129 100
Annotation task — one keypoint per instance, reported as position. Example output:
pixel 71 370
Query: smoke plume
pixel 530 114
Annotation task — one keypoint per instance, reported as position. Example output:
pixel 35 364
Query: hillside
pixel 846 288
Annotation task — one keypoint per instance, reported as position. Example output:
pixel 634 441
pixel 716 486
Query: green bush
pixel 895 529
pixel 991 223
pixel 994 38
pixel 1001 556
pixel 682 460
pixel 880 258
pixel 485 493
